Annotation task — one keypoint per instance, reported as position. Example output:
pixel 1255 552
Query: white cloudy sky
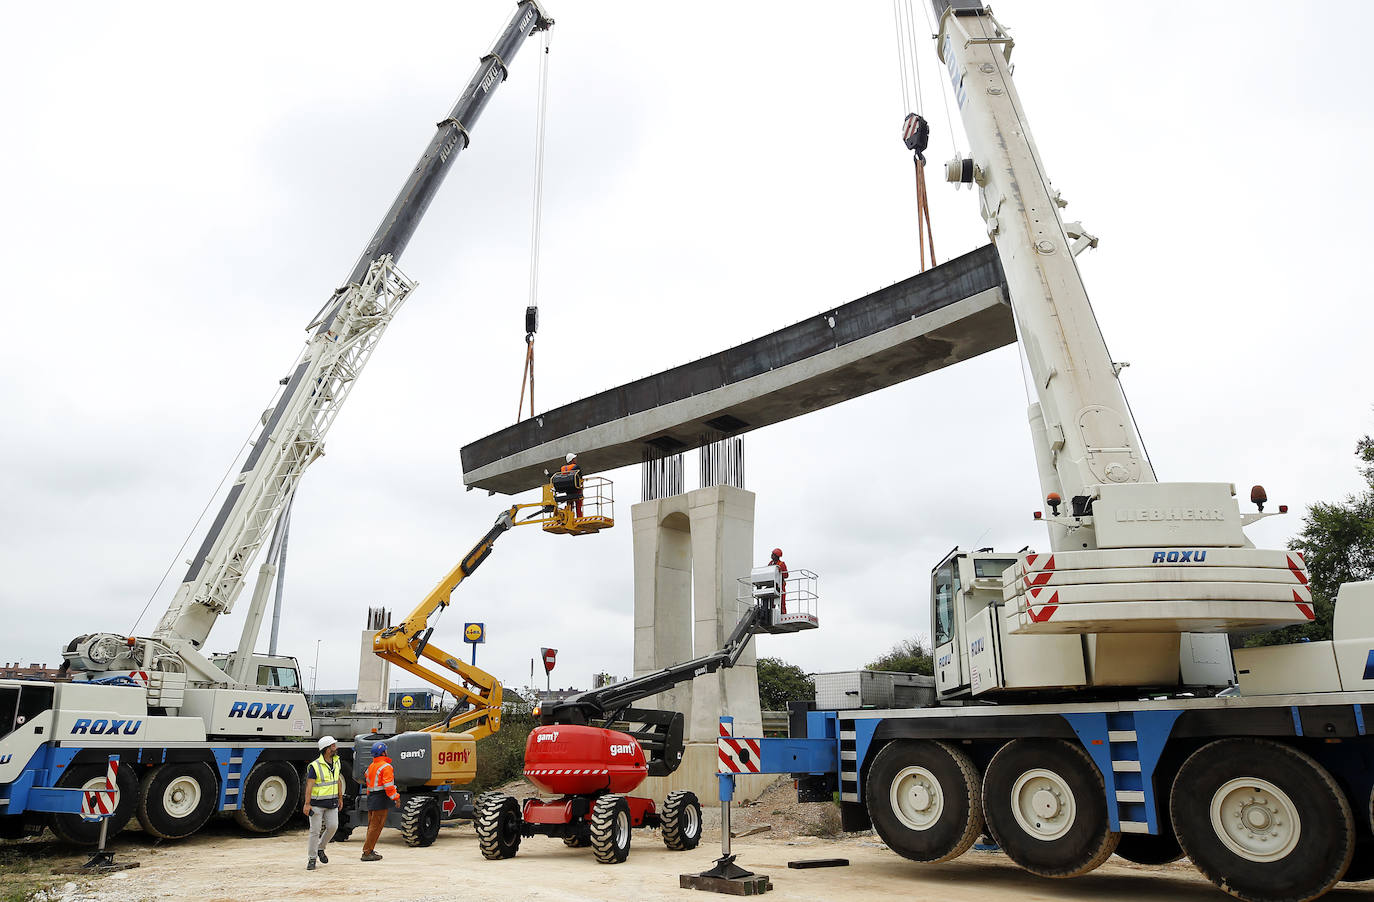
pixel 182 187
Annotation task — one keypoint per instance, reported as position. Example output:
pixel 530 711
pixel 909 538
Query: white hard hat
pixel 327 741
pixel 571 457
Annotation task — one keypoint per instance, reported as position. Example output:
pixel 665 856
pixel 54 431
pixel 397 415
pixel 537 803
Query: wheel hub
pixel 1255 819
pixel 271 795
pixel 916 797
pixel 182 797
pixel 1043 804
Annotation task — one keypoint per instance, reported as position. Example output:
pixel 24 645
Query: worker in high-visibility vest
pixel 381 795
pixel 323 790
pixel 572 466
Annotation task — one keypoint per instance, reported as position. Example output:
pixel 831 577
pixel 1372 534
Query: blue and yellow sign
pixel 476 633
pixel 407 701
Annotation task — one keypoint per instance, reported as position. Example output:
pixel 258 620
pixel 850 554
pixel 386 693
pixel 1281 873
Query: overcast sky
pixel 183 186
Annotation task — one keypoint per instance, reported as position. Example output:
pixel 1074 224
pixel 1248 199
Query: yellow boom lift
pixel 432 762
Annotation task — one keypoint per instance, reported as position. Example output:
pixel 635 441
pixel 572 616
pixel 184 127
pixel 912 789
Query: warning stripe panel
pixel 1028 581
pixel 737 756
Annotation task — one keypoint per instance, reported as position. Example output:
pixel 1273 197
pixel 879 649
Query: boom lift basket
pixel 792 601
pixel 561 504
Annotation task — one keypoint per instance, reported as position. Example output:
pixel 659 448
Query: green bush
pixel 501 756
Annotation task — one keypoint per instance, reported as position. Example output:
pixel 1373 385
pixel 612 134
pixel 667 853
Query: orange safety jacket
pixel 381 778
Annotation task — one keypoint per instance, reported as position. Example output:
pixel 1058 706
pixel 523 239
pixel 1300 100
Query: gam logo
pixel 1179 557
pixel 260 711
pixel 623 749
pixel 103 727
pixel 460 757
pixel 547 737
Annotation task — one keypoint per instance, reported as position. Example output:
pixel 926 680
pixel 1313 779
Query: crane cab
pixel 578 506
pixel 975 653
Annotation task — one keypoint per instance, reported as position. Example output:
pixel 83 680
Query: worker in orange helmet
pixel 572 466
pixel 381 795
pixel 776 560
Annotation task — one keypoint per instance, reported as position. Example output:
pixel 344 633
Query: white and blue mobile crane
pixel 1088 701
pixel 199 734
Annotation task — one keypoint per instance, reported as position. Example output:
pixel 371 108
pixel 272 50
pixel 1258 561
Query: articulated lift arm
pixel 408 642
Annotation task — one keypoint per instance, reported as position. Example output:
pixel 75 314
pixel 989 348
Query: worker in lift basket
pixel 572 466
pixel 776 560
pixel 381 795
pixel 323 789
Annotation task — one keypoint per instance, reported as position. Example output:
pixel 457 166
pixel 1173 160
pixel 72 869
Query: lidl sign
pixel 476 633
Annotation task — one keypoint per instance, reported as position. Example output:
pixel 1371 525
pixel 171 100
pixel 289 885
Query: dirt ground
pixel 220 864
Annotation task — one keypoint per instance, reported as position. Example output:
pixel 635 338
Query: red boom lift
pixel 595 747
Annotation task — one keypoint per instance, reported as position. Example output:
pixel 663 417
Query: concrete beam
pixel 953 312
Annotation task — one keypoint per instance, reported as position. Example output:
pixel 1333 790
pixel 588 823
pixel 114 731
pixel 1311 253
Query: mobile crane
pixel 430 764
pixel 594 747
pixel 200 734
pixel 1088 701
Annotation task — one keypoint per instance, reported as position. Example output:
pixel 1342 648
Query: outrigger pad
pixel 729 878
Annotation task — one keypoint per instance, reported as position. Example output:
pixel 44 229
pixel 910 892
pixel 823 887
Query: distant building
pixel 32 672
pixel 397 699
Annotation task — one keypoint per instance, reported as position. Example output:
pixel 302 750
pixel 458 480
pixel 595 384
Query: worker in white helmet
pixel 323 790
pixel 571 466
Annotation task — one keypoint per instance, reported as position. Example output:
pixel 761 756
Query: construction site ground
pixel 221 864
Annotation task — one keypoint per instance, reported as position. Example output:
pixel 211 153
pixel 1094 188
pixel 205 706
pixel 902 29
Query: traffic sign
pixel 549 655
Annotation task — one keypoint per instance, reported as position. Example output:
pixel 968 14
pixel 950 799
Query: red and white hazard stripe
pixel 736 756
pixel 101 802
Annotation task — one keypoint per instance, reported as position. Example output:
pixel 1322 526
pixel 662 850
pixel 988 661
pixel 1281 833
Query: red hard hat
pixel 777 552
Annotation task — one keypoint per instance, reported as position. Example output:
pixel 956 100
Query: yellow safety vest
pixel 326 777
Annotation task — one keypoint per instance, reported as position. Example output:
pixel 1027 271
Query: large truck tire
pixel 1046 806
pixel 1362 863
pixel 1262 820
pixel 270 796
pixel 681 821
pixel 925 799
pixel 498 826
pixel 176 799
pixel 75 830
pixel 420 821
pixel 610 829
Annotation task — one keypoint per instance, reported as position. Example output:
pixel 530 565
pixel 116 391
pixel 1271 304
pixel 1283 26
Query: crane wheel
pixel 270 796
pixel 610 829
pixel 576 841
pixel 1262 820
pixel 1046 806
pixel 176 799
pixel 925 799
pixel 420 821
pixel 498 826
pixel 681 821
pixel 75 830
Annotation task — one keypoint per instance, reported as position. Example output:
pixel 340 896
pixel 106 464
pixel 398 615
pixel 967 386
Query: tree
pixel 780 683
pixel 907 656
pixel 1337 541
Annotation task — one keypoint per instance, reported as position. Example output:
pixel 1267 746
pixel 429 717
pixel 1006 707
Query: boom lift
pixel 223 733
pixel 594 747
pixel 431 762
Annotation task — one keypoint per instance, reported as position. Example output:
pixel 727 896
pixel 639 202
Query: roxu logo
pixel 1179 557
pixel 103 727
pixel 258 710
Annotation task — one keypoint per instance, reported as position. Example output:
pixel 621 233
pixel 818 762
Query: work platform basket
pixel 791 601
pixel 560 500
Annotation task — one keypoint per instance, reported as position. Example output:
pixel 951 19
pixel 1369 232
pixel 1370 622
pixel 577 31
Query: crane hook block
pixel 916 133
pixel 531 320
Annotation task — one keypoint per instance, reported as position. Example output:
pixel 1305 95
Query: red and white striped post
pixel 101 803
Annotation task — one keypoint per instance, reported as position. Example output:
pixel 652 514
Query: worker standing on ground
pixel 776 560
pixel 323 789
pixel 572 466
pixel 381 795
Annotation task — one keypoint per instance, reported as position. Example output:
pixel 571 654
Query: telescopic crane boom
pixel 343 336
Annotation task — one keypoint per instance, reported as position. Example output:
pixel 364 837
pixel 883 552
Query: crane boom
pixel 343 336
